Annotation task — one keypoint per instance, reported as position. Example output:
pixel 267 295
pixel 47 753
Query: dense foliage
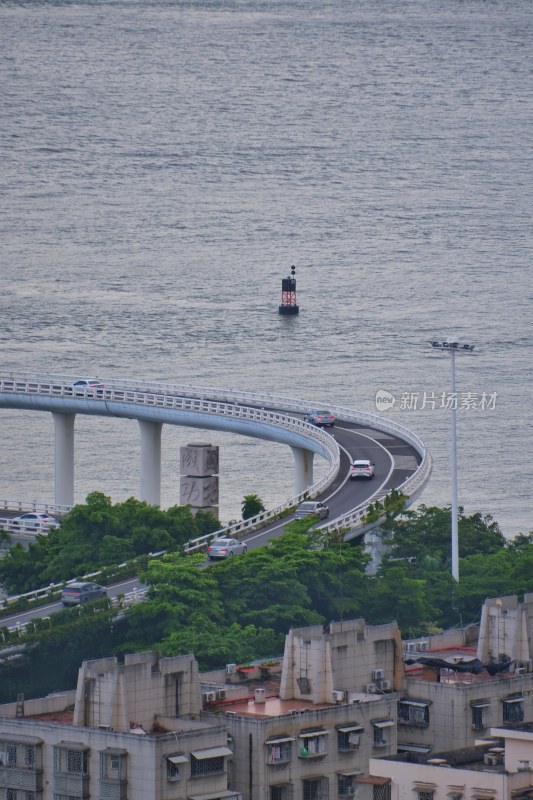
pixel 251 506
pixel 97 534
pixel 240 609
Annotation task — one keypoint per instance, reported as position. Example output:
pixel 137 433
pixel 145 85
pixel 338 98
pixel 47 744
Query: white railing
pixel 125 600
pixel 261 407
pixel 36 506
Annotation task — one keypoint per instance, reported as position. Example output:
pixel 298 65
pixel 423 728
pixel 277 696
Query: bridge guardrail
pixel 128 599
pixel 264 407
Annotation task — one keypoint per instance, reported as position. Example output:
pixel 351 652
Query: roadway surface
pixel 394 461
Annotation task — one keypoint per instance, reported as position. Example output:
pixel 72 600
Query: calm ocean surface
pixel 162 164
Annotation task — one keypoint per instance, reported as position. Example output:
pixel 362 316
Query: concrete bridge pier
pixel 151 461
pixel 303 468
pixel 64 458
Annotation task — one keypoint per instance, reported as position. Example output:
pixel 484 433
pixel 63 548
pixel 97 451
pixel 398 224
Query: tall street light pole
pixel 452 346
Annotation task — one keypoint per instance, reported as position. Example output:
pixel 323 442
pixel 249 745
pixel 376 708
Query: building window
pixel 315 789
pixel 279 751
pixel 210 761
pixel 71 762
pixel 77 762
pixel 425 795
pixel 68 797
pixel 373 788
pixel 11 755
pixel 312 744
pixel 29 756
pixel 173 771
pixel 513 709
pixel 281 792
pixel 207 766
pixel 381 732
pixel 413 713
pixel 112 766
pixel 479 716
pixel 349 737
pixel 18 794
pixel 174 765
pixel 346 786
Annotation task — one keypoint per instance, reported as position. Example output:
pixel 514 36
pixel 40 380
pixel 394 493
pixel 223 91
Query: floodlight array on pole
pixel 452 346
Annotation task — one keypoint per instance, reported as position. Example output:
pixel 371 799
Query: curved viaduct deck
pixel 401 459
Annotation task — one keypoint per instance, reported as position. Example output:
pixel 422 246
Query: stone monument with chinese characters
pixel 199 477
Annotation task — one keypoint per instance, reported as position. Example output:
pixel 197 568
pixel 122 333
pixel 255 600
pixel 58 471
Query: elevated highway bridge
pixel 402 462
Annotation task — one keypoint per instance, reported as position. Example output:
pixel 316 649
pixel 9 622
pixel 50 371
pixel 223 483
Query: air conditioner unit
pixel 411 647
pixel 209 697
pixel 519 670
pixel 422 646
pixel 492 759
pixel 386 686
pixel 221 694
pixel 352 790
pixel 231 669
pixel 378 674
pixel 338 695
pixel 371 688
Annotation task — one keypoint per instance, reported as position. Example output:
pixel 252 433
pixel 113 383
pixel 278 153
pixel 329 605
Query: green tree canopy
pixel 251 506
pixel 98 534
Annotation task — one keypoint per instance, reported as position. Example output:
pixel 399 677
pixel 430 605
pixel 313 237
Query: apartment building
pixel 155 728
pixel 311 735
pixel 499 768
pixel 129 732
pixel 311 727
pixel 456 690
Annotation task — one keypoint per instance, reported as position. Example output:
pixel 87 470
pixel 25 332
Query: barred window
pixel 73 762
pixel 346 786
pixel 413 713
pixel 349 737
pixel 279 752
pixel 281 792
pixel 77 762
pixel 381 734
pixel 513 709
pixel 11 755
pixel 15 794
pixel 313 744
pixel 175 762
pixel 315 789
pixel 425 795
pixel 113 766
pixel 479 717
pixel 207 766
pixel 173 771
pixel 29 756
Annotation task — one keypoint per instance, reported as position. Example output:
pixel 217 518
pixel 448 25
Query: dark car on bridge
pixel 79 592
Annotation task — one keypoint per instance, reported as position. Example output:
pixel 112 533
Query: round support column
pixel 64 459
pixel 303 468
pixel 151 462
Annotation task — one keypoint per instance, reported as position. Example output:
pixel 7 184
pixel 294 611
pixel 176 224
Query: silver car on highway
pixel 222 548
pixel 312 507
